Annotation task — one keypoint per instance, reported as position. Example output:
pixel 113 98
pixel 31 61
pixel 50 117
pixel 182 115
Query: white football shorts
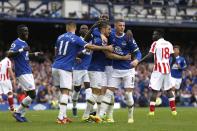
pixel 62 78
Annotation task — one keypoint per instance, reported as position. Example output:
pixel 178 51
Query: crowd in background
pixel 47 93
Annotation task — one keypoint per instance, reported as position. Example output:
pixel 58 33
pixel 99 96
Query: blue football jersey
pixel 67 47
pixel 99 60
pixel 21 61
pixel 175 71
pixel 97 33
pixel 85 61
pixel 122 47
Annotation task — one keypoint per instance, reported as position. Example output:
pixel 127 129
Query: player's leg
pixel 77 81
pixel 170 95
pixel 94 82
pixel 7 89
pixel 65 87
pixel 27 82
pixel 156 82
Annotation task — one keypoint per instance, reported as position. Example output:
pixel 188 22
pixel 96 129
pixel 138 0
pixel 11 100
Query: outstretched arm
pixel 149 55
pixel 114 56
pixel 15 53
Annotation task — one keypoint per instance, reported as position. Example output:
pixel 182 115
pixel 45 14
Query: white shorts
pixel 80 76
pixel 27 82
pixel 5 87
pixel 125 77
pixel 62 78
pixel 176 82
pixel 108 72
pixel 159 80
pixel 97 79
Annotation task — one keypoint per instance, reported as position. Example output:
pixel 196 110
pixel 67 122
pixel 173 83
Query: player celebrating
pixel 161 77
pixel 122 71
pixel 96 70
pixel 67 47
pixel 19 51
pixel 5 83
pixel 80 73
pixel 177 68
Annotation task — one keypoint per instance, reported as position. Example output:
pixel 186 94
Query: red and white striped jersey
pixel 161 50
pixel 4 65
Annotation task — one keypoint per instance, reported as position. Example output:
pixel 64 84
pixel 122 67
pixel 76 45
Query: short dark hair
pixel 177 46
pixel 19 27
pixel 119 20
pixel 71 24
pixel 160 32
pixel 103 24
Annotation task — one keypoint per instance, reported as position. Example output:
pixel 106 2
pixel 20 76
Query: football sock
pixel 63 106
pixel 11 102
pixel 130 104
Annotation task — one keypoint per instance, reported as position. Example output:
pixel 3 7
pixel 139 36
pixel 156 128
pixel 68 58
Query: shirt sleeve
pixel 171 49
pixel 14 47
pixel 183 64
pixel 153 47
pixel 80 42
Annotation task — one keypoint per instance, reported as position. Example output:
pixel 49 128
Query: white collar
pixel 21 40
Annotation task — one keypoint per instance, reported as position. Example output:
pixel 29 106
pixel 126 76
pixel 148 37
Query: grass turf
pixel 186 120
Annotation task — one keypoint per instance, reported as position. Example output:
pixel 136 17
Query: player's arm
pixel 99 48
pixel 114 56
pixel 148 56
pixel 12 53
pixel 11 74
pixel 32 54
pixel 138 57
pixel 88 34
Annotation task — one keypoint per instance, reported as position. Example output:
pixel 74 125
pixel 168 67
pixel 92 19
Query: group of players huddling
pixel 101 59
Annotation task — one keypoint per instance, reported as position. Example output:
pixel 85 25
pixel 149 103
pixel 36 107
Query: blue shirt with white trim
pixel 178 67
pixel 123 47
pixel 67 47
pixel 21 61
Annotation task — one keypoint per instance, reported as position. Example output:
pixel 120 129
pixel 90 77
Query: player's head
pixel 104 17
pixel 23 32
pixel 83 30
pixel 157 34
pixel 120 26
pixel 104 28
pixel 71 26
pixel 176 50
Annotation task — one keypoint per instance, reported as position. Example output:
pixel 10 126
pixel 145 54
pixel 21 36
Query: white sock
pixel 63 106
pixel 88 93
pixel 75 97
pixel 25 103
pixel 90 104
pixel 99 100
pixel 130 103
pixel 106 102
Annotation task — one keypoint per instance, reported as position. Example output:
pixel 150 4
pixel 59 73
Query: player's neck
pixel 20 38
pixel 119 34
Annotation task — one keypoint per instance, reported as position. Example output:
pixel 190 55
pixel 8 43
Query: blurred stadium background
pixel 46 20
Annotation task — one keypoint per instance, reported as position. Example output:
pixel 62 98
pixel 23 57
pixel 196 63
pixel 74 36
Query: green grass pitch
pixel 186 120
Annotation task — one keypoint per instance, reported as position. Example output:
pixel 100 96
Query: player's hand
pixel 27 48
pixel 129 35
pixel 38 53
pixel 78 60
pixel 134 63
pixel 104 39
pixel 109 48
pixel 127 57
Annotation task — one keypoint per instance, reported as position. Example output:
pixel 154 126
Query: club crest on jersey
pixel 124 43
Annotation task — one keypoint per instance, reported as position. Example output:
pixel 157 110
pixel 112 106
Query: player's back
pixel 162 50
pixel 4 65
pixel 67 47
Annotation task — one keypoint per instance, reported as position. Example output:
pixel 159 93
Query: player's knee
pixel 87 85
pixel 77 88
pixel 31 94
pixel 170 94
